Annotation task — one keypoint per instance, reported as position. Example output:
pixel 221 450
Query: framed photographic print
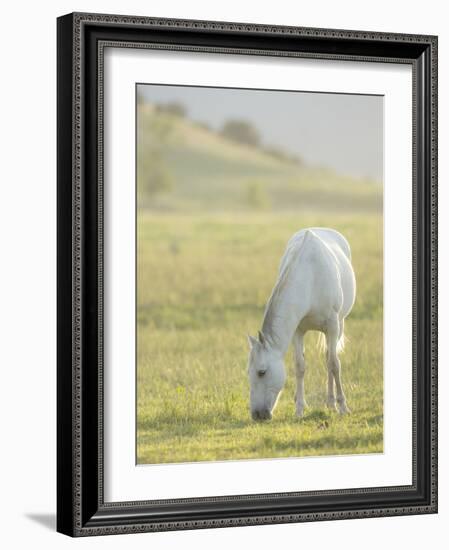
pixel 247 274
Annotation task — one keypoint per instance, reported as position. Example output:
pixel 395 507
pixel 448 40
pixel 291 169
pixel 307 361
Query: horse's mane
pixel 287 261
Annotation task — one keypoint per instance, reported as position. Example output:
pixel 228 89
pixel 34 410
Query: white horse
pixel 315 290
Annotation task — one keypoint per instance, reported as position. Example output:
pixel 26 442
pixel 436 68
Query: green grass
pixel 203 281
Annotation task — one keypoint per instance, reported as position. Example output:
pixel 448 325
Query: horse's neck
pixel 280 318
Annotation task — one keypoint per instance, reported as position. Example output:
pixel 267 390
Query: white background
pixel 27 307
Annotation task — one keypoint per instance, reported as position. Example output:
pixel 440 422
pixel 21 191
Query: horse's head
pixel 266 373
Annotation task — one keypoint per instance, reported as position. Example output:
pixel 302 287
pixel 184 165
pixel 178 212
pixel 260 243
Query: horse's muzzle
pixel 264 414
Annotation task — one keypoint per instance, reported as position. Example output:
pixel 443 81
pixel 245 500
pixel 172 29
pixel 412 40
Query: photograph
pixel 259 274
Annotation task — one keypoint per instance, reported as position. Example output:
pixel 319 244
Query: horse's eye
pixel 261 373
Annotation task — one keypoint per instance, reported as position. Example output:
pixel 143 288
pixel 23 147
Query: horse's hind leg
pixel 300 366
pixel 334 368
pixel 330 390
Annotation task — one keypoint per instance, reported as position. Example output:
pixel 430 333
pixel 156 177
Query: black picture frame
pixel 81 509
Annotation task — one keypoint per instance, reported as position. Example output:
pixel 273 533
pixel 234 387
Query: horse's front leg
pixel 300 366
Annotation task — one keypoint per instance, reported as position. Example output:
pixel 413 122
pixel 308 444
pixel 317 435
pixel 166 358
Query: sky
pixel 343 132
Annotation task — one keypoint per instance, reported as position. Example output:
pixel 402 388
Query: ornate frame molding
pixel 81 41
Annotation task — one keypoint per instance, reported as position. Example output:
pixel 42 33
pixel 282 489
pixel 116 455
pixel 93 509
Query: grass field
pixel 203 280
pixel 214 217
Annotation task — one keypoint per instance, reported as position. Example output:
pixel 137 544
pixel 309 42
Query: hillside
pixel 184 166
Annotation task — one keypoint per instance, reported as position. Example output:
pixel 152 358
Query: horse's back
pixel 331 237
pixel 326 255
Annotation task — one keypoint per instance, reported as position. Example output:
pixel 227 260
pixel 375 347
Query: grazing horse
pixel 315 290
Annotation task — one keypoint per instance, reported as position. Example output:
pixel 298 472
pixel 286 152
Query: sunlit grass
pixel 203 281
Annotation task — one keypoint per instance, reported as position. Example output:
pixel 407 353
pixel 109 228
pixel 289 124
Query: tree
pixel 156 178
pixel 256 195
pixel 241 131
pixel 155 131
pixel 174 108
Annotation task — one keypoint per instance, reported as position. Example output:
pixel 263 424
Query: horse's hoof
pixel 331 405
pixel 300 409
pixel 343 409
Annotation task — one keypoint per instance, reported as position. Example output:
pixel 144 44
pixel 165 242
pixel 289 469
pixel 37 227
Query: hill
pixel 183 166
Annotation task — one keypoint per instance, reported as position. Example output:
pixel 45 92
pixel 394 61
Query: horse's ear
pixel 252 341
pixel 262 338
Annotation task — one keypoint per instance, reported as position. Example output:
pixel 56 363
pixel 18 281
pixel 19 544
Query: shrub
pixel 242 132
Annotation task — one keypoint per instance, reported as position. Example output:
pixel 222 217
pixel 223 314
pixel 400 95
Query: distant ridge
pixel 209 170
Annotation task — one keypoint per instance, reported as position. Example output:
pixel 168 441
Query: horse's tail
pixel 341 342
pixel 321 342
